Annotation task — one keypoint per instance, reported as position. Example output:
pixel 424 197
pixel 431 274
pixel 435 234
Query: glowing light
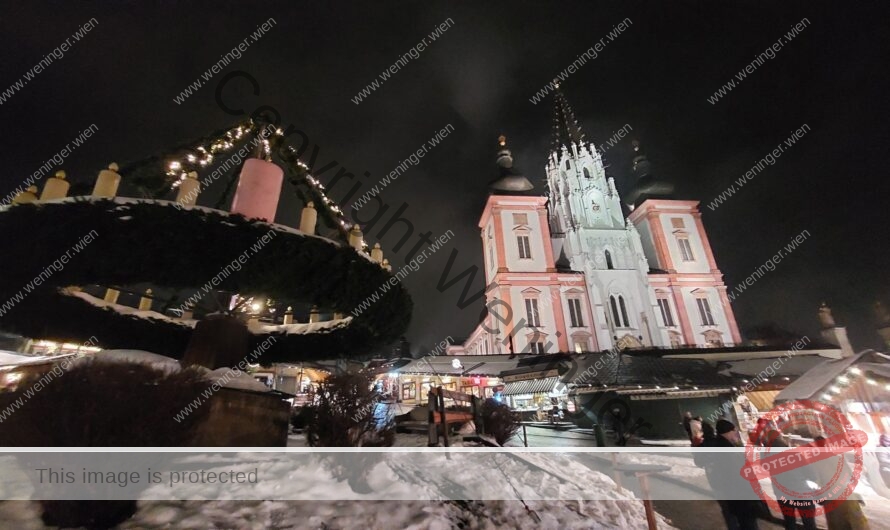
pixel 175 165
pixel 834 390
pixel 255 306
pixel 855 371
pixel 871 382
pixel 843 379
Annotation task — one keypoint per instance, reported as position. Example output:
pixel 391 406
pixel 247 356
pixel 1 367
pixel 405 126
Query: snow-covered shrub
pixel 100 404
pixel 347 412
pixel 499 421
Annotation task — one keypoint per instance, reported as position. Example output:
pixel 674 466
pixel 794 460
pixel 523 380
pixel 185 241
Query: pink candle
pixel 259 187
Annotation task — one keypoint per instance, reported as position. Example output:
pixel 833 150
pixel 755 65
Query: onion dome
pixel 510 180
pixel 647 185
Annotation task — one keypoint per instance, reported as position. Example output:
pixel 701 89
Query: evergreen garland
pixel 157 243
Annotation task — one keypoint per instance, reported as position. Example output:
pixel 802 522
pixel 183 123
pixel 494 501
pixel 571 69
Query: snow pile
pixel 387 515
pixel 228 378
pixel 622 511
pixel 258 328
pixel 127 310
pixel 161 362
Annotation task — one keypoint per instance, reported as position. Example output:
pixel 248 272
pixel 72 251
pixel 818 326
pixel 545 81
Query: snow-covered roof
pixel 13 359
pixel 822 375
pixel 788 367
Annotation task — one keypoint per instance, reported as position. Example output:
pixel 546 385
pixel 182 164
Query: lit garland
pixel 318 189
pixel 202 156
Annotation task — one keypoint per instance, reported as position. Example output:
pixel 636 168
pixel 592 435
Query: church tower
pixel 566 270
pixel 591 235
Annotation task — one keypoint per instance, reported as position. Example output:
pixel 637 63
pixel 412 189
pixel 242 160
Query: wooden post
pixel 616 472
pixel 432 400
pixel 524 435
pixel 444 420
pixel 647 502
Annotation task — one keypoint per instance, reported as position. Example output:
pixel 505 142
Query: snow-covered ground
pixel 622 510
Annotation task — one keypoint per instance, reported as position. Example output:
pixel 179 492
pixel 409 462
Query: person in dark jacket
pixel 618 420
pixel 686 419
pixel 723 472
pixel 707 460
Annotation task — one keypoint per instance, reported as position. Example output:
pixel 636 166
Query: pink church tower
pixel 684 279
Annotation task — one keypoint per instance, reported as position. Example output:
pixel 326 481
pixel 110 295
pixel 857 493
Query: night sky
pixel 478 76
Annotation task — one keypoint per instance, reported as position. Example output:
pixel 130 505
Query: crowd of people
pixel 723 472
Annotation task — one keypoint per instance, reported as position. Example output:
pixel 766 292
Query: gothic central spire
pixel 566 130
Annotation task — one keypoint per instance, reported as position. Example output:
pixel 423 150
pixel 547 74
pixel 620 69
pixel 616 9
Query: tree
pixel 499 421
pixel 347 412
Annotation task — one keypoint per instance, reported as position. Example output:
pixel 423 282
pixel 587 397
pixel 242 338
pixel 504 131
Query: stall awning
pixel 821 376
pixel 531 386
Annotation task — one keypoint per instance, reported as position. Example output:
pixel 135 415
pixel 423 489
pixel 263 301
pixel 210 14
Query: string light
pixel 203 155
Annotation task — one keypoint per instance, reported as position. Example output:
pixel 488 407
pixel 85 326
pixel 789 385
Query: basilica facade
pixel 574 268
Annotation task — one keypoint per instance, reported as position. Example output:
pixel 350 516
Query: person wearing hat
pixel 730 485
pixel 708 461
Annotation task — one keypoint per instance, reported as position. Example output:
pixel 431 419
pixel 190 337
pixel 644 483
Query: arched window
pixel 619 316
pixel 609 264
pixel 623 312
pixel 586 173
pixel 567 164
pixel 616 318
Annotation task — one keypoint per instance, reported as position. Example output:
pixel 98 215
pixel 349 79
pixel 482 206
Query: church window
pixel 676 339
pixel 685 248
pixel 586 173
pixel 704 311
pixel 623 311
pixel 713 338
pixel 575 313
pixel 609 264
pixel 567 165
pixel 665 306
pixel 531 313
pixel 581 343
pixel 525 251
pixel 620 319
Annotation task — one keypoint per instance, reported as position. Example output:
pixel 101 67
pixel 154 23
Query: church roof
pixel 510 181
pixel 647 185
